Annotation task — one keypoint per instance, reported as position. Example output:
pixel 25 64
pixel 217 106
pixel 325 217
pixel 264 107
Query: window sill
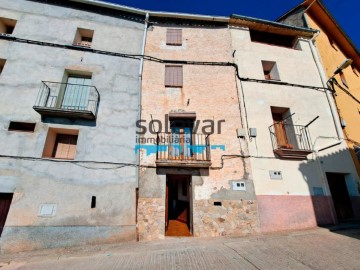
pixel 274 80
pixel 56 159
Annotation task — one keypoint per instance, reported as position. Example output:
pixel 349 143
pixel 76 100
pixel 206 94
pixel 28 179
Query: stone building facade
pixel 207 92
pixel 120 124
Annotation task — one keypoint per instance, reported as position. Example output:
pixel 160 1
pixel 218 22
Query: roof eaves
pixel 153 13
pixel 276 24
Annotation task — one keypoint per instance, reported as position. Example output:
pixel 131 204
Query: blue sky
pixel 346 12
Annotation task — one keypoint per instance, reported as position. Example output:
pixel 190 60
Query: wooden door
pixel 280 131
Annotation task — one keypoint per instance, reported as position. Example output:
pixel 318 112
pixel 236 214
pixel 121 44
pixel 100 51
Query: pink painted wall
pixel 279 212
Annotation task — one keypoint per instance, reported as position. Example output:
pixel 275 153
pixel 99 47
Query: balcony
pixel 290 141
pixel 180 149
pixel 67 100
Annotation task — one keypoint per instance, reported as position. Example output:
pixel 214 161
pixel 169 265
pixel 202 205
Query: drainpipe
pixel 331 102
pixel 140 92
pixel 336 119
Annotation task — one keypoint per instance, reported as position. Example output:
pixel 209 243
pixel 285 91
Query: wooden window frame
pixel 52 142
pixel 68 142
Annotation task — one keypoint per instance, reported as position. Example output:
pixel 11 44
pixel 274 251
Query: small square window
pixel 173 76
pixel 61 143
pixel 2 64
pixel 7 26
pixel 174 37
pixel 270 70
pixel 84 37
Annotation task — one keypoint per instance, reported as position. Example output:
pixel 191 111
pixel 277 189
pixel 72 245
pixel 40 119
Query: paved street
pixel 311 249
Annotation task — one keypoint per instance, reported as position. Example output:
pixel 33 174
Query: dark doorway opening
pixel 178 213
pixel 5 202
pixel 340 196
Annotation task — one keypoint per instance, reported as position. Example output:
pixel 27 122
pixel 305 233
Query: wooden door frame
pixel 191 197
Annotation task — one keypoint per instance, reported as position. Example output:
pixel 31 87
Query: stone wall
pixel 151 218
pixel 233 217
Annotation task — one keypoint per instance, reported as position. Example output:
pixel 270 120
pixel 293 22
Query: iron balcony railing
pixel 183 147
pixel 67 98
pixel 290 137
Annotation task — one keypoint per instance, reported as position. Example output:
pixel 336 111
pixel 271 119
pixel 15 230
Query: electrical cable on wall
pixel 158 60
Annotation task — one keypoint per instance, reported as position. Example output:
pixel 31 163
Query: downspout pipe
pixel 140 92
pixel 329 98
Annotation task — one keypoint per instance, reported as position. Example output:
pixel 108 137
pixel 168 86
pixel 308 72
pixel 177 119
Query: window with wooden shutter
pixel 174 37
pixel 173 76
pixel 65 146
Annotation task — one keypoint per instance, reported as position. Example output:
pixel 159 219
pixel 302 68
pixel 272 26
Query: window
pixel 76 92
pixel 271 38
pixel 182 138
pixel 65 146
pixel 61 143
pixel 270 70
pixel 342 77
pixel 7 26
pixel 22 126
pixel 173 76
pixel 2 64
pixel 84 37
pixel 283 127
pixel 174 37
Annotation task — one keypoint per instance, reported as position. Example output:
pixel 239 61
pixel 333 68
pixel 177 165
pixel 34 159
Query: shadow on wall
pixel 335 196
pixel 294 211
pixel 66 121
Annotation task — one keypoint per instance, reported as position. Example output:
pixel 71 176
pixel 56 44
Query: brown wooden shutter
pixel 174 37
pixel 65 146
pixel 173 76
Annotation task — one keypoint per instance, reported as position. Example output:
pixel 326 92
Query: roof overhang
pixel 271 27
pixel 321 15
pixel 154 13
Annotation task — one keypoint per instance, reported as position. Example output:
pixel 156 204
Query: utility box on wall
pixel 239 185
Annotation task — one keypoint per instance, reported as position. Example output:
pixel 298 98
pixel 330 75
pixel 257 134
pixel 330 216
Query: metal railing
pixel 68 97
pixel 183 146
pixel 292 137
